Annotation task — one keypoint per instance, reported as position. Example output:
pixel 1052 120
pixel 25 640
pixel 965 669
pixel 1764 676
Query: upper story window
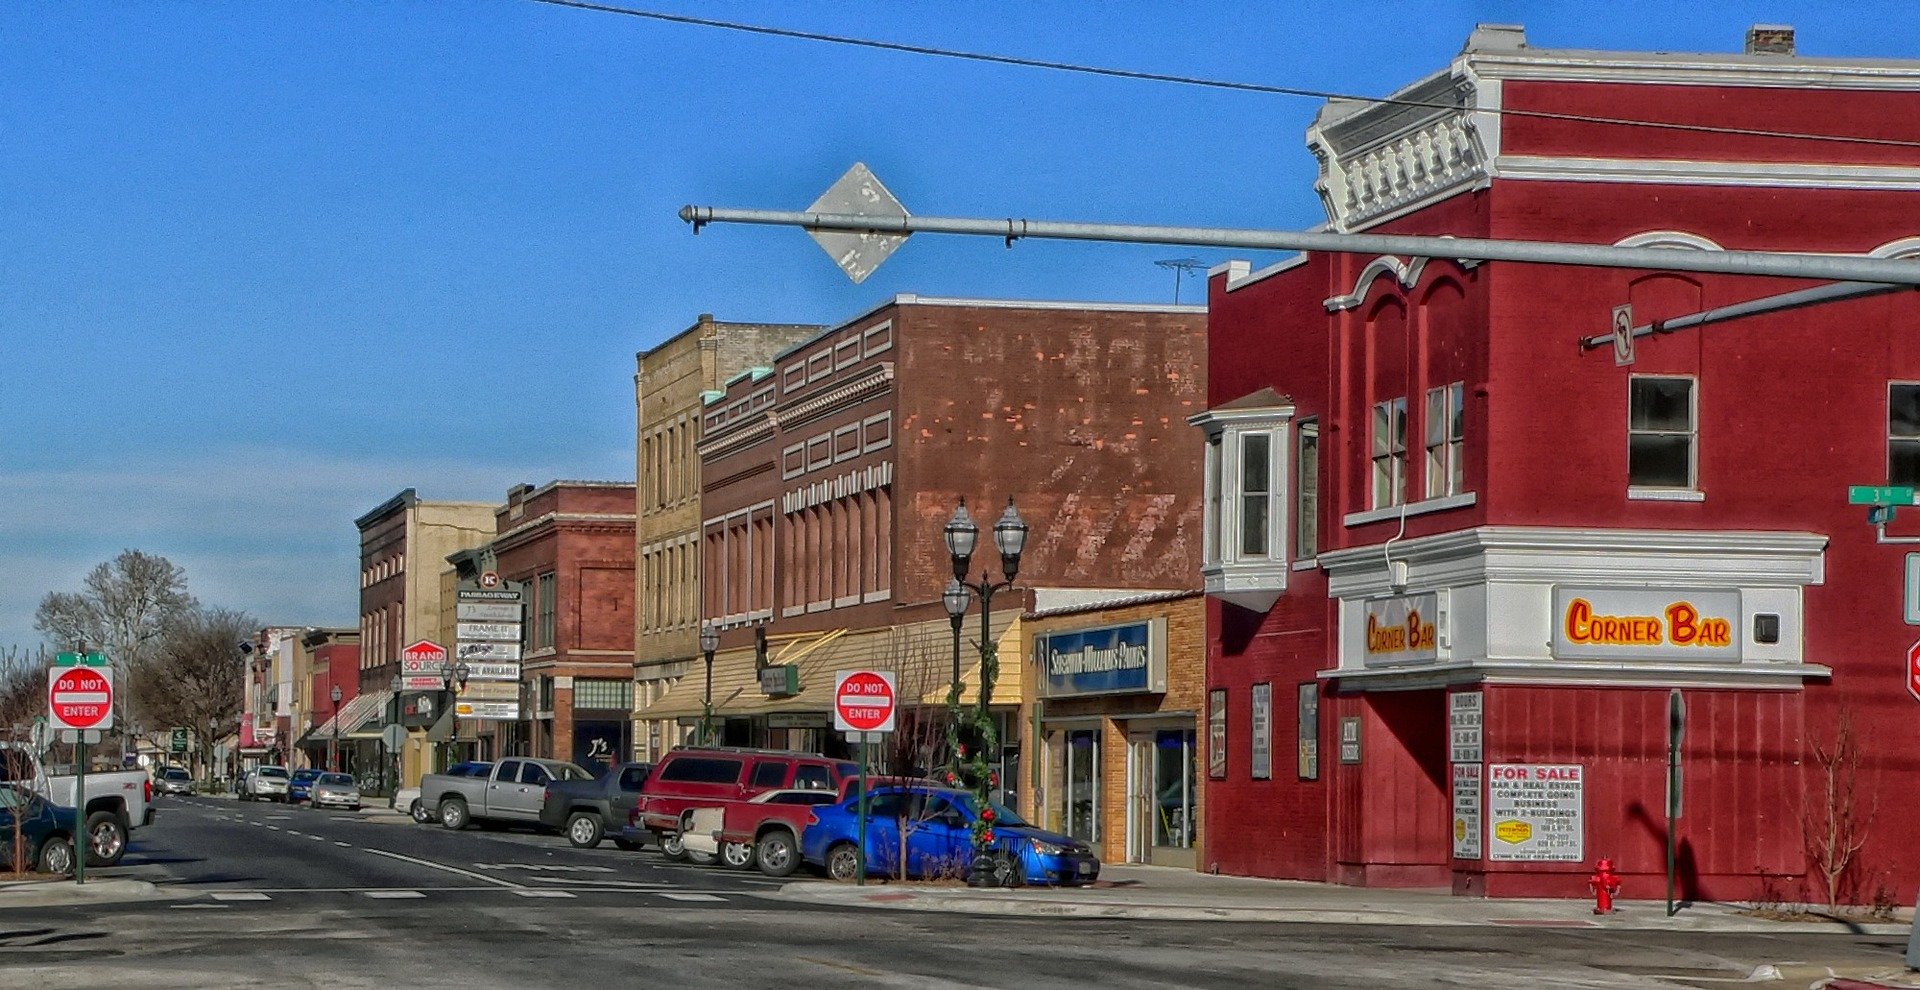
pixel 1245 556
pixel 1390 452
pixel 546 590
pixel 1662 433
pixel 1446 441
pixel 1903 434
pixel 1306 497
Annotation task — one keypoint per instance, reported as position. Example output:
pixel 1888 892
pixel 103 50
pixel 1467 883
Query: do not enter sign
pixel 863 701
pixel 80 697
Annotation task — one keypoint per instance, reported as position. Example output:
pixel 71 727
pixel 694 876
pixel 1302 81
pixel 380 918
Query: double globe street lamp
pixel 333 745
pixel 709 642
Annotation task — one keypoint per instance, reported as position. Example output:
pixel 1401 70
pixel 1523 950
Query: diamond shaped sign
pixel 858 193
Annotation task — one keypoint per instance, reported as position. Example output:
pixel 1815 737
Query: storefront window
pixel 1082 793
pixel 1173 787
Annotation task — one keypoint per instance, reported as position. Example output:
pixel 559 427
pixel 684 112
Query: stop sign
pixel 80 697
pixel 863 701
pixel 1913 670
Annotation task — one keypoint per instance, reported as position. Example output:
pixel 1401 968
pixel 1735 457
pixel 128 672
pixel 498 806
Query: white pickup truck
pixel 116 802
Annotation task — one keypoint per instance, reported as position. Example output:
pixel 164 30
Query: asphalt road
pixel 292 897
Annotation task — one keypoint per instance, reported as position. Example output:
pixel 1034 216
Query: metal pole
pixel 706 718
pixel 84 841
pixel 866 806
pixel 1673 760
pixel 1855 268
pixel 1836 292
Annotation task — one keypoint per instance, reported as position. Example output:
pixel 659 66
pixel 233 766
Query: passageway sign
pixel 863 701
pixel 80 698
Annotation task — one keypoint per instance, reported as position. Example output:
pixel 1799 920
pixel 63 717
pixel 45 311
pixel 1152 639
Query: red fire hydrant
pixel 1605 884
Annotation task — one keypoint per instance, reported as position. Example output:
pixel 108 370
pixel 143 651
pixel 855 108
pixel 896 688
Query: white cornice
pixel 1899 178
pixel 1690 69
pixel 876 379
pixel 1775 676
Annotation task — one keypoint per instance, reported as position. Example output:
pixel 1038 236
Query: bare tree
pixel 23 684
pixel 197 674
pixel 125 608
pixel 1837 816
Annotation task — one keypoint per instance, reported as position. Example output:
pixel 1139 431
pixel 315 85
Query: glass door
pixel 1082 792
pixel 1175 803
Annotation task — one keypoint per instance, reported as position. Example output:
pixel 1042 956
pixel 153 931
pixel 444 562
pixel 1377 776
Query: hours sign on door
pixel 80 697
pixel 863 701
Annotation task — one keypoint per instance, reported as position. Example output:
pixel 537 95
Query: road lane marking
pixel 393 895
pixel 469 874
pixel 344 845
pixel 544 868
pixel 689 897
pixel 544 893
pixel 239 896
pixel 317 838
pixel 184 907
pixel 590 882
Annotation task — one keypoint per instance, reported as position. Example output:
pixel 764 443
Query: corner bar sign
pixel 80 697
pixel 863 701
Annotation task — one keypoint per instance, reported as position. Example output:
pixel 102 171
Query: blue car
pixel 938 822
pixel 300 785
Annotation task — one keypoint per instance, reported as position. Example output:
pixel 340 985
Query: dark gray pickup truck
pixel 589 810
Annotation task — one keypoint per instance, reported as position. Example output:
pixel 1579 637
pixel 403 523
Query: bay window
pixel 1246 499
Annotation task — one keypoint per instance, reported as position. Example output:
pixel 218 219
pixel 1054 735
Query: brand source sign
pixel 1644 624
pixel 1125 659
pixel 1401 630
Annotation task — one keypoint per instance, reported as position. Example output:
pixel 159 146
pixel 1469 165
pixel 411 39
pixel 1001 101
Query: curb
pixel 59 893
pixel 1010 905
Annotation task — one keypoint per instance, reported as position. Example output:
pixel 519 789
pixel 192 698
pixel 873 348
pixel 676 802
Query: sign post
pixel 80 704
pixel 863 706
pixel 1676 734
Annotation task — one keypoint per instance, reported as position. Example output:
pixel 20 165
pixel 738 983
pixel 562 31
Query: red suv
pixel 708 777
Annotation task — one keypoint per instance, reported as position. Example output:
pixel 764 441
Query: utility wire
pixel 1244 87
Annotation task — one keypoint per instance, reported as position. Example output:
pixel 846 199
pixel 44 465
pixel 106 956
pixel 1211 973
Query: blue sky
pixel 263 265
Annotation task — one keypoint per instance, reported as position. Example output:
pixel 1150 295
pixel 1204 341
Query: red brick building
pixel 569 545
pixel 335 662
pixel 828 476
pixel 1473 560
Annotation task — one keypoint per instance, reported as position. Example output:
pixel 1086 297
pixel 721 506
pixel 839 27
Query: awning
pixel 920 655
pixel 359 718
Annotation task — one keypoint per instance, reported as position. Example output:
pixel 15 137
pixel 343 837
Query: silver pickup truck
pixel 512 790
pixel 116 801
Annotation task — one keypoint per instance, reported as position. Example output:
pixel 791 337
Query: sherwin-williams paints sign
pixel 1125 659
pixel 1644 624
pixel 1401 630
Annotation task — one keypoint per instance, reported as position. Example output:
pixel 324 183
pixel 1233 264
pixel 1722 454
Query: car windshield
pixel 175 773
pixel 1002 815
pixel 305 774
pixel 336 778
pixel 569 771
pixel 279 772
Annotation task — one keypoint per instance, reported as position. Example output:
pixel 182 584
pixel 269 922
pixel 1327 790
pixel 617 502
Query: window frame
pixel 1692 433
pixel 1388 455
pixel 1445 441
pixel 1306 497
pixel 1893 439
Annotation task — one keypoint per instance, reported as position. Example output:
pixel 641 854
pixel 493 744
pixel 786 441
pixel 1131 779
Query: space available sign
pixel 1537 812
pixel 482 671
pixel 488 643
pixel 1123 659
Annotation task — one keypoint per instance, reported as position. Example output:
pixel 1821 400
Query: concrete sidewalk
pixel 60 893
pixel 1166 894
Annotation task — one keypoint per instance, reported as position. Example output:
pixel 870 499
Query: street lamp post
pixel 454 677
pixel 333 745
pixel 957 598
pixel 1010 538
pixel 709 642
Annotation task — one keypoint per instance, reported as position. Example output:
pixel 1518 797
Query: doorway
pixel 1162 797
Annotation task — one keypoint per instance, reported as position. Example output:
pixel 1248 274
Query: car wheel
pixel 584 829
pixel 419 812
pixel 56 856
pixel 843 863
pixel 453 814
pixel 626 845
pixel 672 848
pixel 778 856
pixel 737 855
pixel 106 839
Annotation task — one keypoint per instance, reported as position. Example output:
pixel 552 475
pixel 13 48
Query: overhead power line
pixel 1226 84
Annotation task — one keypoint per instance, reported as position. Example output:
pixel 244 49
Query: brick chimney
pixel 1770 39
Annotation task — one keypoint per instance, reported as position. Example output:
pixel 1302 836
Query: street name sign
pixel 1881 495
pixel 80 697
pixel 80 660
pixel 863 701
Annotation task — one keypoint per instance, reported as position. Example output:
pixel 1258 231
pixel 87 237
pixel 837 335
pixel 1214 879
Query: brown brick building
pixel 828 474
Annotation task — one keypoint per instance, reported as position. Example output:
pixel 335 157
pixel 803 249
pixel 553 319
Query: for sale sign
pixel 1537 812
pixel 80 697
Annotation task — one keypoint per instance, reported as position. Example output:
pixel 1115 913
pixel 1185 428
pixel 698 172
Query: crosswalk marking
pixel 344 845
pixel 544 893
pixel 393 895
pixel 243 895
pixel 689 897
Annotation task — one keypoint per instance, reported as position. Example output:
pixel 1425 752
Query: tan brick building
pixel 670 385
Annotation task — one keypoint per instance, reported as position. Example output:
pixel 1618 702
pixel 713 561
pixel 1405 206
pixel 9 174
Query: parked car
pixel 938 826
pixel 267 783
pixel 713 777
pixel 335 790
pixel 512 791
pixel 115 803
pixel 767 827
pixel 300 785
pixel 47 828
pixel 584 810
pixel 174 780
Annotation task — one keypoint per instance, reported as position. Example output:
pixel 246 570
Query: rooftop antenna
pixel 1181 268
